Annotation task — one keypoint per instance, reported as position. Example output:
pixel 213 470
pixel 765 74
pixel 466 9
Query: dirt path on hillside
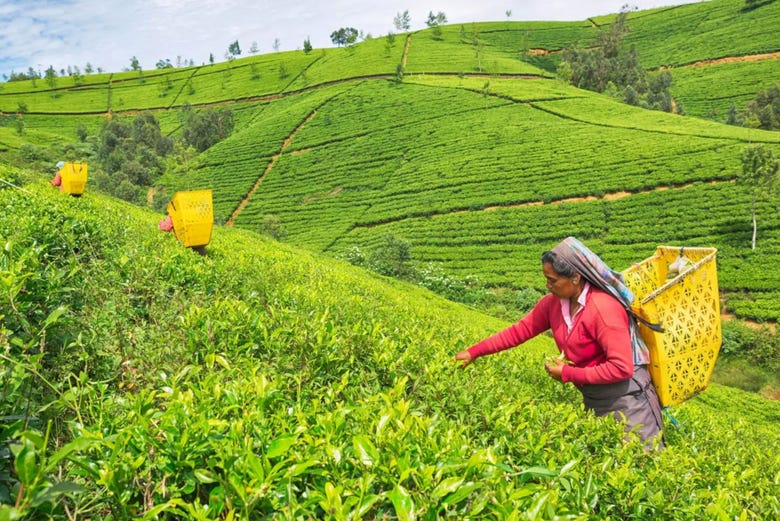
pixel 268 168
pixel 606 197
pixel 611 196
pixel 729 59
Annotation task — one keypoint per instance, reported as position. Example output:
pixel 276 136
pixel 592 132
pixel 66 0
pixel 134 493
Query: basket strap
pixel 632 312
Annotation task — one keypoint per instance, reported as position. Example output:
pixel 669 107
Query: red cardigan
pixel 599 345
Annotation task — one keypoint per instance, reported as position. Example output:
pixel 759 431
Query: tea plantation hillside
pixel 465 145
pixel 482 182
pixel 262 381
pixel 678 37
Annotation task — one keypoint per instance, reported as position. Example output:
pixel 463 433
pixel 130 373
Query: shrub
pixel 759 346
pixel 391 258
pixel 272 227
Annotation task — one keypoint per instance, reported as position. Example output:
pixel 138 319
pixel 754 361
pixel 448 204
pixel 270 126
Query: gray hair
pixel 560 266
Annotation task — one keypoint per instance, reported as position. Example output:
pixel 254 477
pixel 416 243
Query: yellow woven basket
pixel 192 214
pixel 688 308
pixel 74 178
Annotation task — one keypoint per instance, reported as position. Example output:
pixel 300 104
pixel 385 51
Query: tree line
pixel 134 154
pixel 761 112
pixel 610 68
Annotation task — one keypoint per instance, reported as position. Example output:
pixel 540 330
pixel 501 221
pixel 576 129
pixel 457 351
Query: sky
pixel 108 33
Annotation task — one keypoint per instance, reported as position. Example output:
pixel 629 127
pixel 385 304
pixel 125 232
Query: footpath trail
pixel 606 197
pixel 267 169
pixel 728 59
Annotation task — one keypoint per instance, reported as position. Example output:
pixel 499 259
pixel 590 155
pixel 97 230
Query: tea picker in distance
pixel 587 311
pixel 57 181
pixel 191 218
pixel 71 177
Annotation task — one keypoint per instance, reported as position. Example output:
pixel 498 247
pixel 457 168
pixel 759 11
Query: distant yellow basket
pixel 688 308
pixel 74 178
pixel 192 214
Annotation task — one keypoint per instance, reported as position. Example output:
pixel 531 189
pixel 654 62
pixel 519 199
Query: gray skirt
pixel 633 401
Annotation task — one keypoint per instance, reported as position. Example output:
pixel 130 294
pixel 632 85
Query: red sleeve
pixel 609 323
pixel 535 322
pixel 166 224
pixel 57 181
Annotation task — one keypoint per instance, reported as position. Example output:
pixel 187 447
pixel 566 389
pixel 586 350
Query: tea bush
pixel 261 381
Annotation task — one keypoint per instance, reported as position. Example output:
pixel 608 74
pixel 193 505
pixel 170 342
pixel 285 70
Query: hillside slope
pixel 263 380
pixel 481 177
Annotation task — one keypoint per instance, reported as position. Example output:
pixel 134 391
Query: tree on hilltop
pixel 435 21
pixel 389 42
pixel 234 50
pixel 402 21
pixel 307 45
pixel 760 175
pixel 344 36
pixel 51 77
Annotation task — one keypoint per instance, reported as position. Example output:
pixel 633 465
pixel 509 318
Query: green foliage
pixel 272 227
pixel 391 257
pixel 764 111
pixel 10 177
pixel 202 129
pixel 702 88
pixel 608 67
pixel 760 169
pixel 402 21
pixel 760 174
pixel 262 380
pixel 749 359
pixel 130 154
pixel 757 346
pixel 234 50
pixel 344 36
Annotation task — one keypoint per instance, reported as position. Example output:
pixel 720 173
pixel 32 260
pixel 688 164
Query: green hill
pixel 265 381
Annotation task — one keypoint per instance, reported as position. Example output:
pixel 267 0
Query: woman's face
pixel 559 285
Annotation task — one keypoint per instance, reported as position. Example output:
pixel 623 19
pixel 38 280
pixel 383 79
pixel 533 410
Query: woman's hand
pixel 554 367
pixel 465 356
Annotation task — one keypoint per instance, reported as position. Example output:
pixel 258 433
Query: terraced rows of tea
pixel 481 180
pixel 684 34
pixel 709 92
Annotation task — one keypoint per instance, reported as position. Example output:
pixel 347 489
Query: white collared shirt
pixel 565 307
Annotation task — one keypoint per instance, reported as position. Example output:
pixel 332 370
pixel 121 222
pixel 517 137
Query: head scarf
pixel 596 271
